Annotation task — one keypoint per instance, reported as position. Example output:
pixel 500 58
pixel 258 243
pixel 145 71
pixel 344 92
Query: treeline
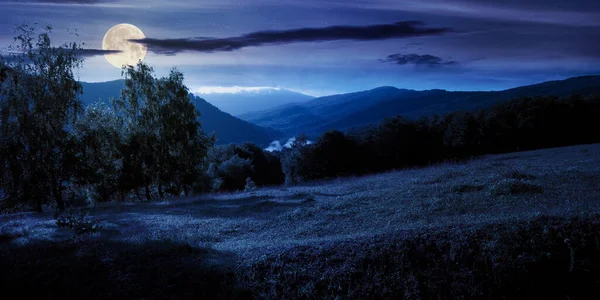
pixel 516 125
pixel 54 150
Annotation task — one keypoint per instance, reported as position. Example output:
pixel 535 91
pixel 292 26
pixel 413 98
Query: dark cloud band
pixel 95 52
pixel 88 2
pixel 79 52
pixel 417 59
pixel 333 33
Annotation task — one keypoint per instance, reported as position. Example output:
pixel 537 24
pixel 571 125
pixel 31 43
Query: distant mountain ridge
pixel 228 128
pixel 345 111
pixel 244 101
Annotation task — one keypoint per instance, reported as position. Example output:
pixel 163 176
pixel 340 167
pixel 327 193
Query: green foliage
pixel 295 163
pixel 519 124
pixel 230 166
pixel 164 144
pixel 518 175
pixel 234 172
pixel 463 132
pixel 515 187
pixel 266 167
pixel 468 188
pixel 98 136
pixel 38 103
pixel 49 147
pixel 250 185
pixel 331 155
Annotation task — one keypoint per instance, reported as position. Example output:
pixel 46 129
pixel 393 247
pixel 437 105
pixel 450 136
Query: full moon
pixel 116 38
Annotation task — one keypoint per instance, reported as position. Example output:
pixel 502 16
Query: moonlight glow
pixel 116 38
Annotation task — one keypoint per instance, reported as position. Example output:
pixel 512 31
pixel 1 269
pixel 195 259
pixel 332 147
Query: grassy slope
pixel 498 226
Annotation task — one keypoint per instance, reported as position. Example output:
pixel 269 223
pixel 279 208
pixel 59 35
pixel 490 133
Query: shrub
pixel 228 167
pixel 250 185
pixel 515 187
pixel 234 172
pixel 78 222
pixel 467 188
pixel 291 162
pixel 518 175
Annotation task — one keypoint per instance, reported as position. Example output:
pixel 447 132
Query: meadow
pixel 516 225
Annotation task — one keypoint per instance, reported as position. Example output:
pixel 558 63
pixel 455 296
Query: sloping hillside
pixel 228 128
pixel 246 101
pixel 504 226
pixel 370 107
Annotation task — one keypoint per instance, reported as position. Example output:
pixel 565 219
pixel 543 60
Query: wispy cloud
pixel 89 2
pixel 557 12
pixel 417 59
pixel 95 52
pixel 75 3
pixel 12 56
pixel 232 89
pixel 332 33
pixel 276 145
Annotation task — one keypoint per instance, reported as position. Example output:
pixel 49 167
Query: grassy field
pixel 519 225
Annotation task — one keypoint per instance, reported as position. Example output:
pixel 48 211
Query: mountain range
pixel 250 100
pixel 345 111
pixel 228 128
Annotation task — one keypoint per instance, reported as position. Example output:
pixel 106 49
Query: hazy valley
pixel 301 114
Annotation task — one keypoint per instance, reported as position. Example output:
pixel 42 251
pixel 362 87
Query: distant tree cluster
pixel 236 167
pixel 516 125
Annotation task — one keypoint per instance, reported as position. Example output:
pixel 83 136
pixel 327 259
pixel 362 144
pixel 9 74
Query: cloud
pixel 276 145
pixel 95 52
pixel 332 33
pixel 12 57
pixel 417 59
pixel 63 1
pixel 556 12
pixel 233 89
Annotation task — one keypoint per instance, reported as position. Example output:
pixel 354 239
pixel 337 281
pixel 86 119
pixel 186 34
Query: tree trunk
pixel 57 194
pixel 31 197
pixel 60 204
pixel 160 191
pixel 38 205
pixel 37 201
pixel 148 196
pixel 137 193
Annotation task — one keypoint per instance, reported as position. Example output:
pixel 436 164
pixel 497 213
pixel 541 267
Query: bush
pixel 294 164
pixel 203 183
pixel 78 222
pixel 234 172
pixel 518 175
pixel 266 167
pixel 250 185
pixel 228 167
pixel 515 187
pixel 467 188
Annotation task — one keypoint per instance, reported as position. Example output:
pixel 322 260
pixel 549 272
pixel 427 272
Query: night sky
pixel 321 47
